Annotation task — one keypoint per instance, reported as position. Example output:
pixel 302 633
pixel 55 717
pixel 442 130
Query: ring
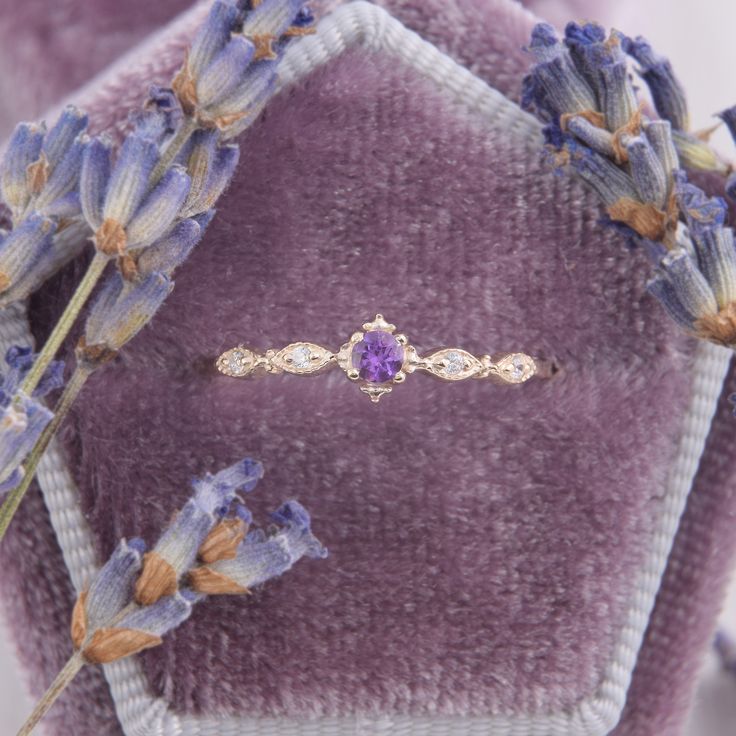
pixel 377 359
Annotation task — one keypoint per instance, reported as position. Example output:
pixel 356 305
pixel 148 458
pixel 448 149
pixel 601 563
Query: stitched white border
pixel 361 24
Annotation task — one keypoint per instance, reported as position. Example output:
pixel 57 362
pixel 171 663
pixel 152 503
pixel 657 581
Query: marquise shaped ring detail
pixel 377 359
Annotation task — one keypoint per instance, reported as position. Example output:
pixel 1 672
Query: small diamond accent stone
pixel 519 368
pixel 301 357
pixel 235 362
pixel 454 364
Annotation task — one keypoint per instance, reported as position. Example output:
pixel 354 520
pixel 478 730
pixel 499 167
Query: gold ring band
pixel 377 359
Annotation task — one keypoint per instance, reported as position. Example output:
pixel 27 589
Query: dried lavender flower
pixel 124 208
pixel 39 178
pixel 261 557
pixel 668 94
pixel 23 248
pixel 228 74
pixel 40 169
pixel 211 166
pixel 158 193
pixel 696 281
pixel 121 310
pixel 633 164
pixel 168 253
pixel 22 418
pixel 139 629
pixel 136 598
pixel 177 549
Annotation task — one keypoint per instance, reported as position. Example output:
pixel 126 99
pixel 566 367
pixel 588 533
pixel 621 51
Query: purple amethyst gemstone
pixel 378 357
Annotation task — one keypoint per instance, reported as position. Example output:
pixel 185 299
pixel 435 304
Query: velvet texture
pixel 499 533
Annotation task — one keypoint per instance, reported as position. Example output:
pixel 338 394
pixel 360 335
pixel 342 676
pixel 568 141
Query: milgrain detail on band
pixel 377 359
pixel 362 24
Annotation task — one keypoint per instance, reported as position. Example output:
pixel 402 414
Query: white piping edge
pixel 361 24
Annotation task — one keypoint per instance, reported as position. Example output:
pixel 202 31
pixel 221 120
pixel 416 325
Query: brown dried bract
pixel 264 46
pixel 128 267
pixel 37 174
pixel 111 239
pixel 223 541
pixel 109 645
pixel 645 219
pixel 225 121
pixel 296 31
pixel 185 89
pixel 79 621
pixel 158 579
pixel 207 581
pixel 719 328
pixel 94 355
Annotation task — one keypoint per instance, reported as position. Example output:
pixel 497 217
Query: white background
pixel 698 36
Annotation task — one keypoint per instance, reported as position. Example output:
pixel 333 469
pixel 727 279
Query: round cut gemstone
pixel 378 357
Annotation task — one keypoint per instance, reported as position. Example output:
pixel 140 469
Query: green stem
pixel 14 498
pixel 173 147
pixel 65 323
pixel 57 687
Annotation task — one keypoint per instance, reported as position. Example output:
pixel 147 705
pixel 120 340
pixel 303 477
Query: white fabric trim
pixel 361 24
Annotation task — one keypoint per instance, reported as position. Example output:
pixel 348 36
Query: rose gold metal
pixel 448 364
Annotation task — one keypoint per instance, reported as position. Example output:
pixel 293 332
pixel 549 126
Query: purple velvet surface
pixel 502 551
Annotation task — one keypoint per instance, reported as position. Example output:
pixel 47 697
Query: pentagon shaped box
pixel 503 560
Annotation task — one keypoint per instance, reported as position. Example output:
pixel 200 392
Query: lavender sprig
pixel 581 88
pixel 138 597
pixel 149 205
pixel 175 163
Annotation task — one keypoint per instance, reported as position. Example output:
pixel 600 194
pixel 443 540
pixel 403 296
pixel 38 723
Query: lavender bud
pixel 267 22
pixel 120 312
pixel 211 167
pixel 23 248
pixel 659 135
pixel 24 148
pixel 667 92
pixel 176 551
pixel 159 210
pixel 647 172
pixel 558 86
pixel 262 557
pixel 691 286
pixel 169 252
pixel 141 629
pixel 666 294
pixel 109 593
